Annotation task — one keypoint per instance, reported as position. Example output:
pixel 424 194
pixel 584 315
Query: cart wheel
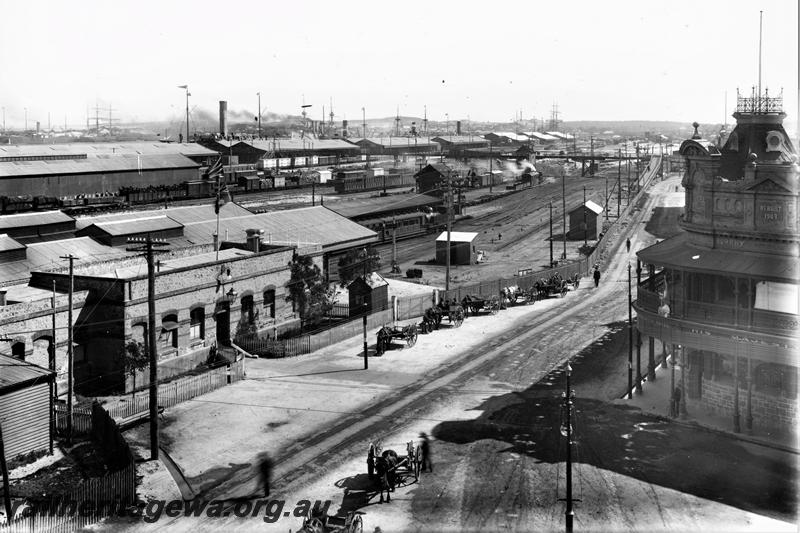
pixel 459 318
pixel 357 526
pixel 495 308
pixel 412 339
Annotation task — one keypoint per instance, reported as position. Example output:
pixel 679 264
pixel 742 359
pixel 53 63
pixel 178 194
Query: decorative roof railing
pixel 757 103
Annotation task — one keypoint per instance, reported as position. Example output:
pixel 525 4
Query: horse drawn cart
pixel 433 316
pixel 351 523
pixel 476 304
pixel 555 285
pixel 516 295
pixel 392 470
pixel 387 333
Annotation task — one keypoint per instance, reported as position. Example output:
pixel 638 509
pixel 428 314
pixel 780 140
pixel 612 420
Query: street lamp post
pixel 569 396
pixel 630 337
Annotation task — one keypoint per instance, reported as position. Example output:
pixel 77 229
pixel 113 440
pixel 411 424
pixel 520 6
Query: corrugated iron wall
pixel 25 416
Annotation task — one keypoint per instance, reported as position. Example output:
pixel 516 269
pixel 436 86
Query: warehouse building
pixel 250 152
pixel 26 404
pixel 397 146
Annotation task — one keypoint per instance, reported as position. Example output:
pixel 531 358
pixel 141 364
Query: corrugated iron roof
pixel 305 225
pixel 295 145
pixel 101 163
pixel 463 139
pixel 15 372
pixel 593 206
pixel 119 148
pixel 183 215
pixel 357 207
pixel 7 244
pixel 47 255
pixel 26 220
pixel 138 225
pixel 388 142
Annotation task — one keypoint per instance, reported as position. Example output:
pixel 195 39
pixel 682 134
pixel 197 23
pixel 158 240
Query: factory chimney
pixel 223 118
pixel 458 127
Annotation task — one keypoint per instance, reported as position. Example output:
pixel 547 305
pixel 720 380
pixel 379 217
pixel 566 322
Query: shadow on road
pixel 626 441
pixel 358 491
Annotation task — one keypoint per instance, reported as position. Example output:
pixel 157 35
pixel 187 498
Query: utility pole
pixel 71 260
pixel 149 243
pixel 51 365
pixel 585 228
pixel 564 211
pixel 491 176
pixel 619 180
pixel 606 206
pixel 628 166
pixel 6 487
pixel 449 216
pixel 394 241
pixel 186 87
pixel 551 234
pixel 364 322
pixel 364 122
pixel 630 337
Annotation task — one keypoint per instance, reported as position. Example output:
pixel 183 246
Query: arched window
pixel 197 324
pixel 169 331
pixel 269 302
pixel 248 311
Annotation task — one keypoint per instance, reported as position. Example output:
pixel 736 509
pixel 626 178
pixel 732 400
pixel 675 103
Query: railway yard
pixel 488 394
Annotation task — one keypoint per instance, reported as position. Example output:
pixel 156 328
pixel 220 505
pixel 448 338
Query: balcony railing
pixel 720 315
pixel 757 103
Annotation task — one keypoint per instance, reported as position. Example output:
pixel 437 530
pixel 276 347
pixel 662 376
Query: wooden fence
pixel 413 306
pixel 180 390
pixel 95 498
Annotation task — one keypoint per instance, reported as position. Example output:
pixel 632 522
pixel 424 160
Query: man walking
pixel 266 472
pixel 427 465
pixel 628 244
pixel 596 276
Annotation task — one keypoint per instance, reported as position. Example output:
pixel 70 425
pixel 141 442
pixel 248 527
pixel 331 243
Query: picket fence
pixel 104 495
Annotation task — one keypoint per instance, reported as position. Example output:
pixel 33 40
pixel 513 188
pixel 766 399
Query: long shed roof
pixel 15 372
pixel 101 163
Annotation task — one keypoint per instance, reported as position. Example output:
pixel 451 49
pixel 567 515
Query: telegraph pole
pixel 6 487
pixel 149 243
pixel 628 166
pixel 491 176
pixel 449 216
pixel 551 234
pixel 585 229
pixel 564 210
pixel 619 179
pixel 71 260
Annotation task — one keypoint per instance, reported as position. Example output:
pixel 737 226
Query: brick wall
pixel 769 412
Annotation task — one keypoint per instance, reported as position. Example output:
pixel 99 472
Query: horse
pixel 509 294
pixel 385 466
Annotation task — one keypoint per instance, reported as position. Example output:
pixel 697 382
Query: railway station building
pixel 202 298
pixel 432 179
pixel 723 295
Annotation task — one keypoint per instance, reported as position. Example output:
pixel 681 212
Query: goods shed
pixel 462 249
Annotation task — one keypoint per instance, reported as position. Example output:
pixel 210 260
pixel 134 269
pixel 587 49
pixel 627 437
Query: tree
pixel 308 291
pixel 358 262
pixel 134 358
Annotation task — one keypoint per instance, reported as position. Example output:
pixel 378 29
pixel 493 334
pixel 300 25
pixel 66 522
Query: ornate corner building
pixel 722 296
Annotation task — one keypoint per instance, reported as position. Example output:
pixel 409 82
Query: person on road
pixel 266 473
pixel 675 407
pixel 371 462
pixel 628 244
pixel 427 465
pixel 596 276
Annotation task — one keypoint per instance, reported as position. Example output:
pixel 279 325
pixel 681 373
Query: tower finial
pixel 696 135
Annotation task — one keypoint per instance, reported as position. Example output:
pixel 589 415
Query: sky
pixel 467 59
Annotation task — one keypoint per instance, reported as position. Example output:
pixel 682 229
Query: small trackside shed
pixel 25 406
pixel 576 219
pixel 462 250
pixel 371 290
